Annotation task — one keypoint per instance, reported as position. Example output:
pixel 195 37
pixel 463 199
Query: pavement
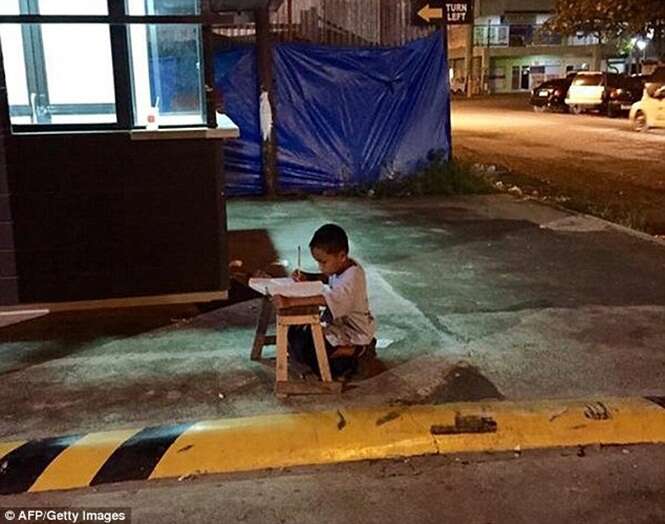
pixel 477 298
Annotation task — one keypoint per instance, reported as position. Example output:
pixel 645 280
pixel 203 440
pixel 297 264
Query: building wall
pixel 505 73
pixel 499 7
pixel 8 276
pixel 493 67
pixel 97 215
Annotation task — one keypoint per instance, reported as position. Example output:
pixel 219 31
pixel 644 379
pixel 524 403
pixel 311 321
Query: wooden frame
pixel 286 317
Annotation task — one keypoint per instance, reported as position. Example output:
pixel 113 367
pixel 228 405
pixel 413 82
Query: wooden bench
pixel 293 316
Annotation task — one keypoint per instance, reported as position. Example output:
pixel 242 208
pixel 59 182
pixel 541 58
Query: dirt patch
pixel 634 201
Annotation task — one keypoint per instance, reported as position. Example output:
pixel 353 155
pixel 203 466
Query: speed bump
pixel 274 441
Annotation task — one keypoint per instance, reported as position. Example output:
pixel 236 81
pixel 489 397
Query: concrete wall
pixel 97 215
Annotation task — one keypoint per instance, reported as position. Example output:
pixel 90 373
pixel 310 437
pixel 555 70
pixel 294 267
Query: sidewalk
pixel 476 298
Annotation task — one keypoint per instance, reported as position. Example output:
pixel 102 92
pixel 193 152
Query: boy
pixel 347 315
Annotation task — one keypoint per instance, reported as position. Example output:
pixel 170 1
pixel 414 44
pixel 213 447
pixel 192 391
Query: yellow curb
pixel 316 438
pixel 78 464
pixel 8 447
pixel 275 441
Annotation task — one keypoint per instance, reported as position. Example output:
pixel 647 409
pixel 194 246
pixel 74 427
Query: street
pixel 591 485
pixel 597 162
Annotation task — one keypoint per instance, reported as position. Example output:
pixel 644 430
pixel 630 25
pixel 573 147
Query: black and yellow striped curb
pixel 270 441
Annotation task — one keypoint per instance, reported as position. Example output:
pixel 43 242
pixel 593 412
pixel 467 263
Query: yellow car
pixel 650 111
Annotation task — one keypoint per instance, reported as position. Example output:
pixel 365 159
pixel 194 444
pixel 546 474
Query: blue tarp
pixel 236 76
pixel 345 117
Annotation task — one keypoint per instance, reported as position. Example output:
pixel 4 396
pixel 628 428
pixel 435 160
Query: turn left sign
pixel 453 12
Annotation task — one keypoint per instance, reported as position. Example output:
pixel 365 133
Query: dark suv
pixel 551 95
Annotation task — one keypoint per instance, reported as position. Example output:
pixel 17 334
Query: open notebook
pixel 286 287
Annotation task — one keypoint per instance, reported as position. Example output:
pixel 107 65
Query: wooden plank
pixel 281 365
pixel 321 355
pixel 104 303
pixel 261 327
pixel 299 310
pixel 308 388
pixel 297 320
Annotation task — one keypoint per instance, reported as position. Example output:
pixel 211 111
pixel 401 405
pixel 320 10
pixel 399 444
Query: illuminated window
pixel 162 7
pixel 58 73
pixel 69 71
pixel 166 69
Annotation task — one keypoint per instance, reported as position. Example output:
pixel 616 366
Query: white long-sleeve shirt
pixel 346 298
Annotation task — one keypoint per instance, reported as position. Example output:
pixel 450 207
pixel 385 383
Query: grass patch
pixel 436 176
pixel 622 214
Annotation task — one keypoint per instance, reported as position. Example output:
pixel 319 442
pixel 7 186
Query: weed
pixel 436 176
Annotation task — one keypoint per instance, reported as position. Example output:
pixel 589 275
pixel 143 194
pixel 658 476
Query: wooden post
pixel 289 14
pixel 444 35
pixel 266 99
pixel 468 61
pixel 210 97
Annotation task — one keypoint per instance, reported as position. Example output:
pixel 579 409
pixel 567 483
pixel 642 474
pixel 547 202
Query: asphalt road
pixel 598 485
pixel 588 157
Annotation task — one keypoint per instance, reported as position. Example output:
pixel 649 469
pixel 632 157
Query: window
pixel 166 69
pixel 65 70
pixel 70 7
pixel 162 7
pixel 58 73
pixel 78 70
pixel 17 81
pixel 9 7
pixel 588 80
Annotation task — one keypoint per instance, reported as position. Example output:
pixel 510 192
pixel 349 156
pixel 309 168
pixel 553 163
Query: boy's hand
pixel 298 276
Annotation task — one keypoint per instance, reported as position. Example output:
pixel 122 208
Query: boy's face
pixel 330 263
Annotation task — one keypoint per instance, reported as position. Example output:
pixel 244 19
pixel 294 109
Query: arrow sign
pixel 453 12
pixel 428 13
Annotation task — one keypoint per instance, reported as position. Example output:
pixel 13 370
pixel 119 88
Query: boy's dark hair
pixel 330 238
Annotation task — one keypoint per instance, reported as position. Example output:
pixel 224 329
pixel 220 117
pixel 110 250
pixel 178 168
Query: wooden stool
pixel 294 316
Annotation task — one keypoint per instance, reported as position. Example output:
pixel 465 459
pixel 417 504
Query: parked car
pixel 609 93
pixel 650 111
pixel 551 95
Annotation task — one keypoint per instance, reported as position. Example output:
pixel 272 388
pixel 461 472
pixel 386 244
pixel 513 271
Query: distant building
pixel 512 53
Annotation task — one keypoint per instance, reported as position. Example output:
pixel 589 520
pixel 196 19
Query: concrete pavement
pixel 476 298
pixel 596 485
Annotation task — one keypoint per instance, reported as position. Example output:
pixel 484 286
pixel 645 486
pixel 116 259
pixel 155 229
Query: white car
pixel 650 111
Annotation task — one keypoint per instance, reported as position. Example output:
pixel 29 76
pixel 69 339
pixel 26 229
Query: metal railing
pixel 524 35
pixel 337 22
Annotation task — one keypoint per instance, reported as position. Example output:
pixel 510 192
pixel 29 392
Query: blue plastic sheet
pixel 344 117
pixel 347 117
pixel 236 76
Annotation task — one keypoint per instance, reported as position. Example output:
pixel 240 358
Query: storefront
pixel 112 173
